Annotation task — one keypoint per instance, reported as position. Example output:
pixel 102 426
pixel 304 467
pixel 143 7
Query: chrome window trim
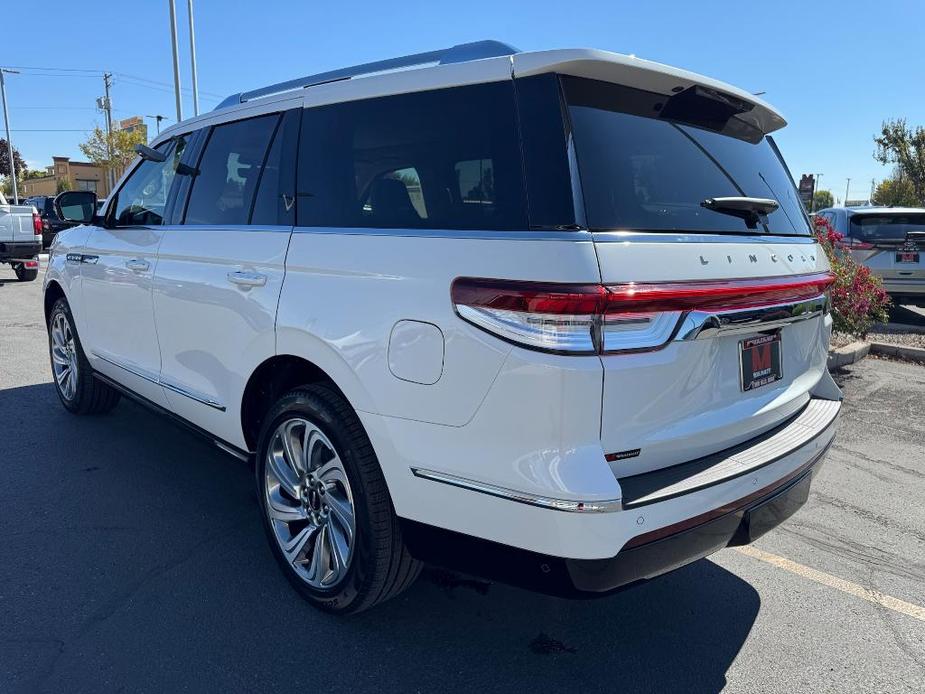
pixel 693 237
pixel 227 227
pixel 158 381
pixel 472 234
pixel 605 506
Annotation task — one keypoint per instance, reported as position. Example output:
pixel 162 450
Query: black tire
pixel 24 274
pixel 91 396
pixel 380 566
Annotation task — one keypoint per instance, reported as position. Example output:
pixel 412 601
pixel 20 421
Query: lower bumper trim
pixel 735 524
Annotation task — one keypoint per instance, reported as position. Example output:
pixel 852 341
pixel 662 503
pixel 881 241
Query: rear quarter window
pixel 443 159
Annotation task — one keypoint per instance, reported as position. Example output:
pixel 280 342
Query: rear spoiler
pixel 630 71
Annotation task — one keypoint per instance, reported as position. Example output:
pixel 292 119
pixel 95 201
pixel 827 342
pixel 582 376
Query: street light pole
pixel 818 187
pixel 157 120
pixel 9 142
pixel 847 185
pixel 192 53
pixel 176 58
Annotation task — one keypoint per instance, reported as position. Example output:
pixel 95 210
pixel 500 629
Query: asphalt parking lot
pixel 132 559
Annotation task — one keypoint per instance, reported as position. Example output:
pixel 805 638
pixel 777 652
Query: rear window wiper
pixel 752 210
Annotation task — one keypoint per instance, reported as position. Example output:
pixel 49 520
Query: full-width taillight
pixel 36 224
pixel 633 316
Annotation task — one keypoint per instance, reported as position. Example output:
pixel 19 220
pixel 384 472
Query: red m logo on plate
pixel 761 358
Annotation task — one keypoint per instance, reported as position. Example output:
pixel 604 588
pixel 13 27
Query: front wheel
pixel 326 508
pixel 25 274
pixel 77 389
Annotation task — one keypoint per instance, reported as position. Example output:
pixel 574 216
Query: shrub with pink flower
pixel 858 297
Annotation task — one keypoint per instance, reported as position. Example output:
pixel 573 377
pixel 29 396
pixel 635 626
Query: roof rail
pixel 460 53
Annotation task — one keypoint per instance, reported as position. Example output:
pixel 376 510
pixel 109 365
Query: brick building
pixel 80 175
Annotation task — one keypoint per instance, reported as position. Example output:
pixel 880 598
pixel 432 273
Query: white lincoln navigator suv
pixel 551 318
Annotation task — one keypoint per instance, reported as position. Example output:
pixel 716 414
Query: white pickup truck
pixel 20 239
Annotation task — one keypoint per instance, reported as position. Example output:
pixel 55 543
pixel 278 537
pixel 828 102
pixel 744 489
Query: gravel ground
pixel 841 340
pixel 904 339
pixel 893 338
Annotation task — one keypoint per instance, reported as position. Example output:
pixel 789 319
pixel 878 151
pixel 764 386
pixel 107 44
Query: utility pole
pixel 192 53
pixel 847 185
pixel 107 108
pixel 9 142
pixel 818 187
pixel 176 58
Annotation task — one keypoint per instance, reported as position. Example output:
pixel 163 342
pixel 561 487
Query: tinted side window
pixel 142 199
pixel 229 171
pixel 445 159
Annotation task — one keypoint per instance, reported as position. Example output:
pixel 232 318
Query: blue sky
pixel 835 69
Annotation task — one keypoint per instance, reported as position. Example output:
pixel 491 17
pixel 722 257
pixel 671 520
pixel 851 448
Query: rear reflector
pixel 594 319
pixel 31 264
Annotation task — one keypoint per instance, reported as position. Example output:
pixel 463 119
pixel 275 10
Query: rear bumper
pixel 740 523
pixel 751 519
pixel 914 290
pixel 10 250
pixel 669 519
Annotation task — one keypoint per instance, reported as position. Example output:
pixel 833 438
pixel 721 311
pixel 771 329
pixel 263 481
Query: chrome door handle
pixel 138 265
pixel 247 279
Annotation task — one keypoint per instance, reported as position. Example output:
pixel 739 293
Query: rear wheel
pixel 24 274
pixel 326 509
pixel 77 389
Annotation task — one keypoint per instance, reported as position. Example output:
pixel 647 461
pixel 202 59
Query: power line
pixel 56 69
pixel 86 72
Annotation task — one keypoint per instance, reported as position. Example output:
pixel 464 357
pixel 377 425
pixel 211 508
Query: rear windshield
pixel 643 166
pixel 885 227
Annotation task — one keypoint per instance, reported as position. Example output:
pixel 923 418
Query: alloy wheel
pixel 309 503
pixel 64 356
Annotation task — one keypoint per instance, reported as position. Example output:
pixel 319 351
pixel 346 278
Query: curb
pixel 842 356
pixel 901 351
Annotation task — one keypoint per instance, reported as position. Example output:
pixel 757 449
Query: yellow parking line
pixel 874 596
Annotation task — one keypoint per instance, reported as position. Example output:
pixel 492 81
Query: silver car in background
pixel 891 242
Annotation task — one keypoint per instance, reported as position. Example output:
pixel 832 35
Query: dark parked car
pixel 51 222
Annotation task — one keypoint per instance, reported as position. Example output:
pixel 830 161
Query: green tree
pixel 896 191
pixel 5 160
pixel 63 185
pixel 823 199
pixel 904 146
pixel 113 153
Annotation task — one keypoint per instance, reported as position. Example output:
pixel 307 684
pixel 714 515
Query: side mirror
pixel 76 206
pixel 150 154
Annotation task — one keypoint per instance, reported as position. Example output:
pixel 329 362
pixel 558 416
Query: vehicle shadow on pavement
pixel 132 557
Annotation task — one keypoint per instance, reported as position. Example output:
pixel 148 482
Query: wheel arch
pixel 269 381
pixel 53 292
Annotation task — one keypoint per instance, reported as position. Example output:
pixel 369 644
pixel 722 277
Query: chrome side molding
pixel 606 506
pixel 158 381
pixel 699 325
